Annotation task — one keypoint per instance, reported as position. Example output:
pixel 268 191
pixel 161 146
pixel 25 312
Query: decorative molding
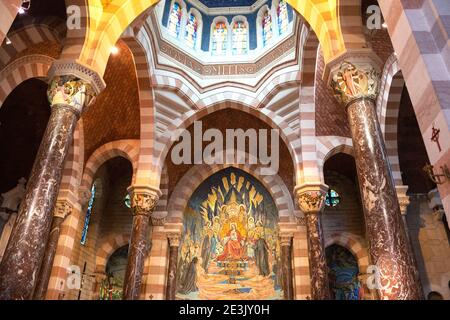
pixel 75 69
pixel 403 199
pixel 311 197
pixel 351 82
pixel 143 200
pixel 62 209
pixel 174 239
pixel 70 91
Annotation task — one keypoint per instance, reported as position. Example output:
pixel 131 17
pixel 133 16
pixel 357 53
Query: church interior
pixel 96 97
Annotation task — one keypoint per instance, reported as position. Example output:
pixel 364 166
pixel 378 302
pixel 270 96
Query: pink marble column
pixel 62 210
pixel 143 202
pixel 311 201
pixel 19 268
pixel 174 244
pixel 389 249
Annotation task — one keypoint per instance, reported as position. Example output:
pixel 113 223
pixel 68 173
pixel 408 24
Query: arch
pixel 24 68
pixel 328 146
pixel 199 173
pixel 115 16
pixel 164 144
pixel 355 244
pixel 388 105
pixel 9 11
pixel 128 149
pixel 47 30
pixel 351 24
pixel 146 109
pixel 107 247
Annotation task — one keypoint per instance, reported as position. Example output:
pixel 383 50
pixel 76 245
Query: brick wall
pixel 348 215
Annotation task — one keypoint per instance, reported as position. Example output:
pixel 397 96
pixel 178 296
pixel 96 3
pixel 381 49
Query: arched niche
pixel 230 247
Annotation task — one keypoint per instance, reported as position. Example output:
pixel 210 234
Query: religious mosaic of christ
pixel 230 247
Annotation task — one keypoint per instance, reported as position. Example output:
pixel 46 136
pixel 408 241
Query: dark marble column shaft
pixel 171 289
pixel 317 260
pixel 142 205
pixel 47 263
pixel 389 247
pixel 25 251
pixel 286 263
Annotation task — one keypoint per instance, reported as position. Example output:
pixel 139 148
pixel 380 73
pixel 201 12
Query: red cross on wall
pixel 435 137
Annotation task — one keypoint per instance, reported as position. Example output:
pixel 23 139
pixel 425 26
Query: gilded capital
pixel 174 239
pixel 311 198
pixel 62 209
pixel 70 91
pixel 143 200
pixel 350 82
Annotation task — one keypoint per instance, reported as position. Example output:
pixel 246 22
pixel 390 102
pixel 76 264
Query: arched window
pixel 88 216
pixel 191 32
pixel 267 31
pixel 332 198
pixel 239 37
pixel 219 39
pixel 175 19
pixel 282 14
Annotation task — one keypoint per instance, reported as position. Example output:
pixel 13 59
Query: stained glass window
pixel 88 216
pixel 267 27
pixel 332 199
pixel 239 38
pixel 127 201
pixel 282 14
pixel 175 19
pixel 191 31
pixel 219 40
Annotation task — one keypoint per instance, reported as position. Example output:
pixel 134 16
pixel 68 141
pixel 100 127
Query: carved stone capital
pixel 351 82
pixel 311 197
pixel 403 199
pixel 63 208
pixel 77 70
pixel 286 239
pixel 174 239
pixel 70 92
pixel 143 200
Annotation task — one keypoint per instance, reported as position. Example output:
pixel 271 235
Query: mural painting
pixel 111 287
pixel 343 274
pixel 230 247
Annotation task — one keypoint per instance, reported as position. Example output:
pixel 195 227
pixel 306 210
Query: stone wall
pixel 431 246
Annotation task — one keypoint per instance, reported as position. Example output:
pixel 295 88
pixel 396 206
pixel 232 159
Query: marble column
pixel 68 96
pixel 311 201
pixel 174 244
pixel 143 202
pixel 62 209
pixel 286 265
pixel 356 88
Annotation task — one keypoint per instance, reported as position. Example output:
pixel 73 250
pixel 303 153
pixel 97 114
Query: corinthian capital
pixel 311 197
pixel 70 91
pixel 63 208
pixel 143 200
pixel 350 82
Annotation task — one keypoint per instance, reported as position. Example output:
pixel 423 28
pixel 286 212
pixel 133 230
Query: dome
pixel 226 31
